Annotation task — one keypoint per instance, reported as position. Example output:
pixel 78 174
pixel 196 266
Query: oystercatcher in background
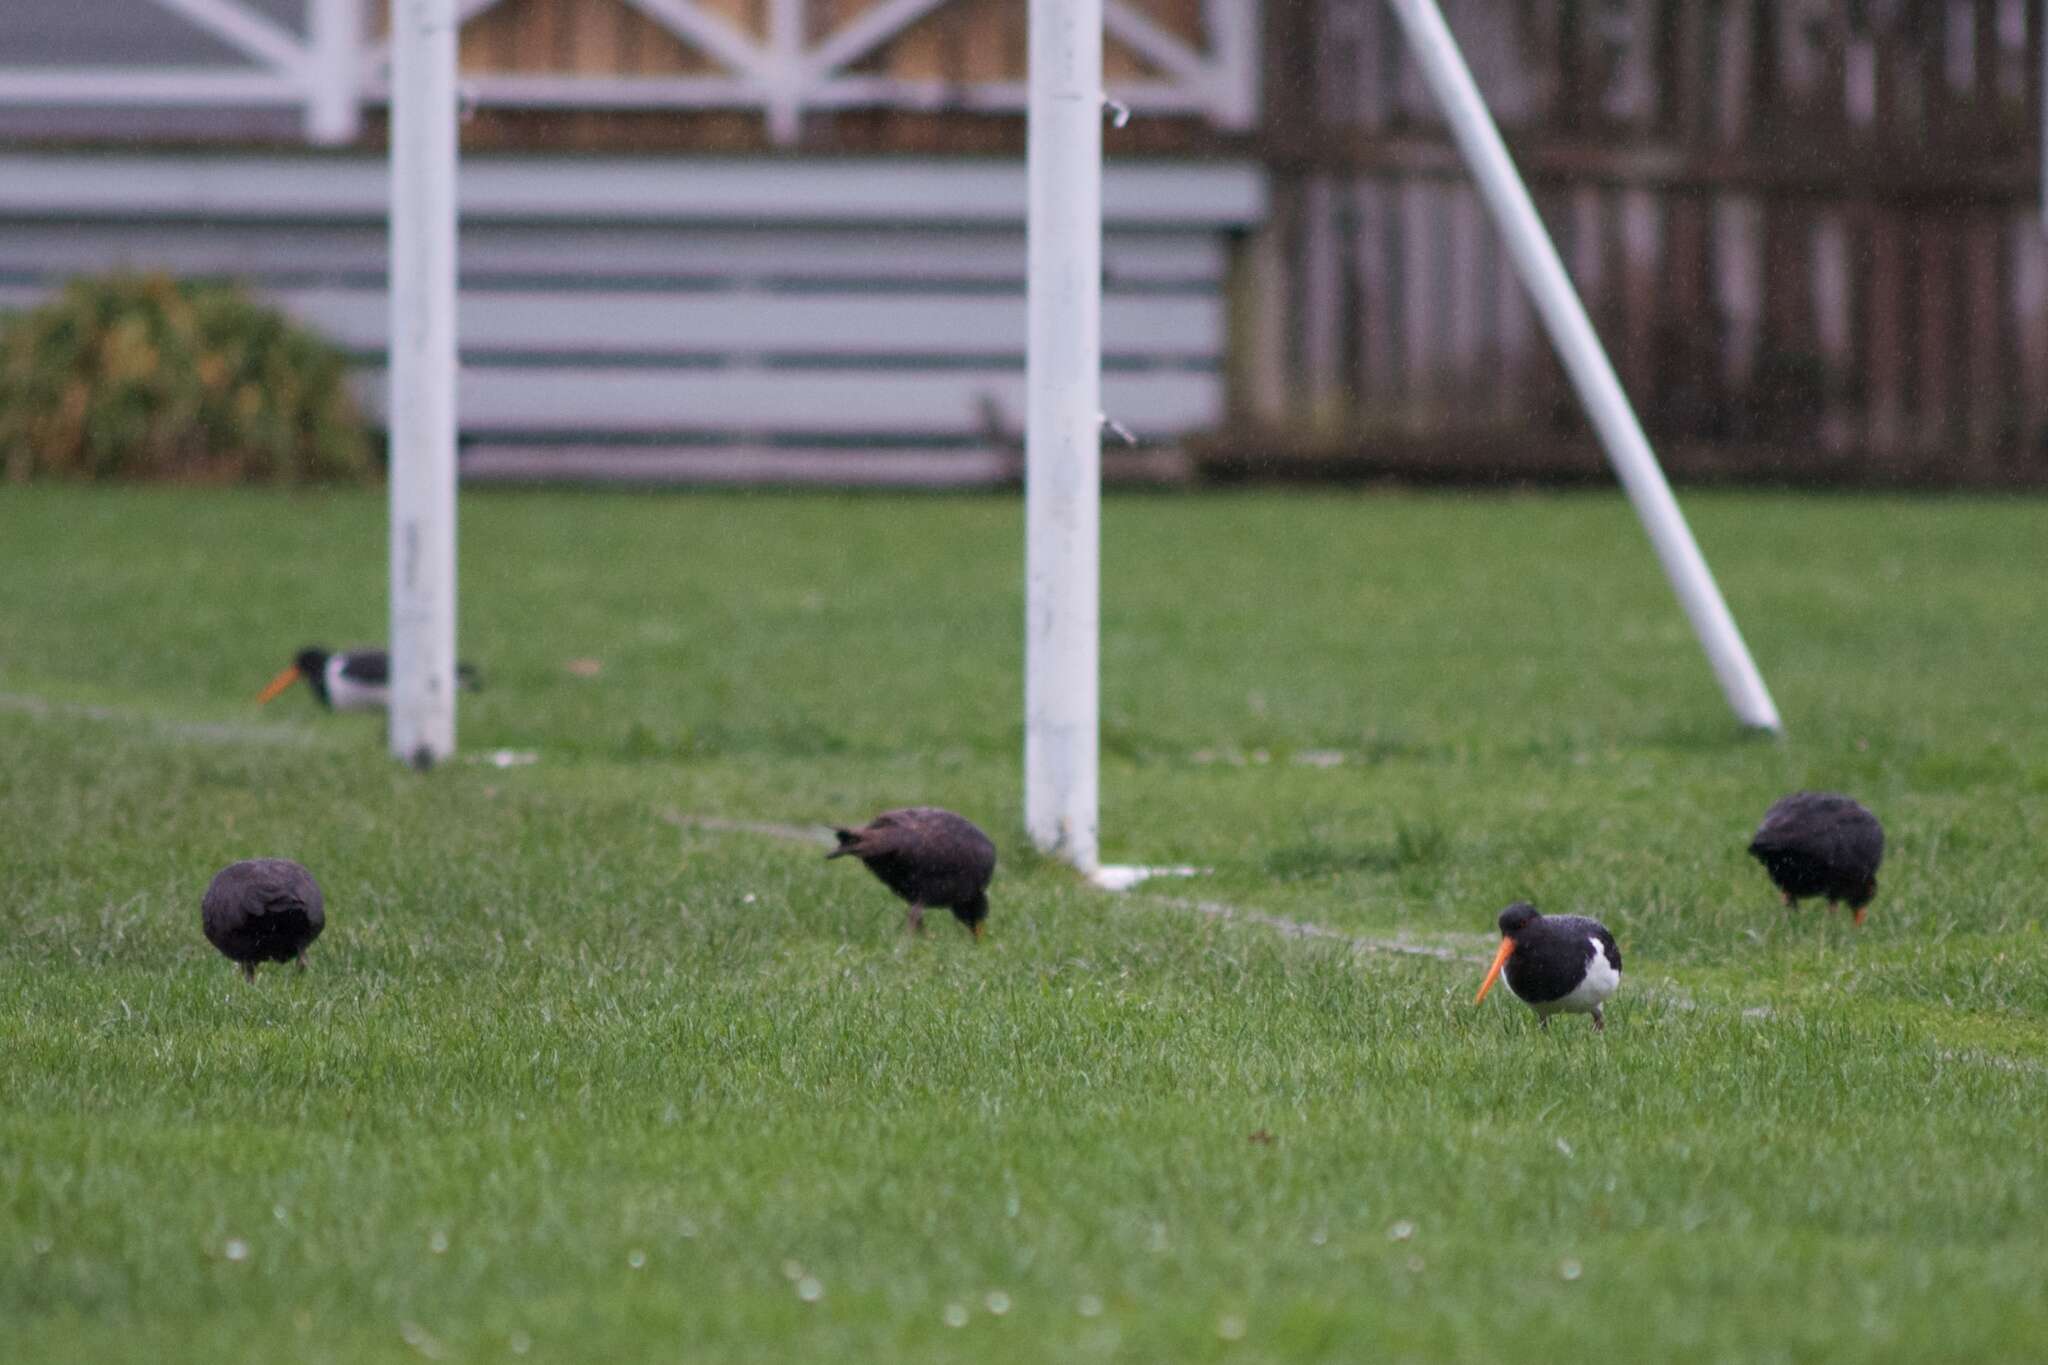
pixel 263 910
pixel 1555 963
pixel 348 680
pixel 928 857
pixel 1821 844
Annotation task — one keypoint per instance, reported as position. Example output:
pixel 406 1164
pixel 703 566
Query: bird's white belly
pixel 1601 981
pixel 346 694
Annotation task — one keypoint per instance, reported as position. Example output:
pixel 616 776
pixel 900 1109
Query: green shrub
pixel 145 377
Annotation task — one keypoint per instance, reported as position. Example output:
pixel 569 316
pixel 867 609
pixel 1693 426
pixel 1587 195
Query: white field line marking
pixel 1295 928
pixel 1666 991
pixel 1212 909
pixel 210 732
pixel 820 835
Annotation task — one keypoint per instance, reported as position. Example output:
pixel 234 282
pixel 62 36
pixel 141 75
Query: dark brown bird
pixel 263 910
pixel 929 857
pixel 1821 844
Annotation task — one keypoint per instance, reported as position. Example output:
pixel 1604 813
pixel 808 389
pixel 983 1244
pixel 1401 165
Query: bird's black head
pixel 1516 918
pixel 310 664
pixel 973 914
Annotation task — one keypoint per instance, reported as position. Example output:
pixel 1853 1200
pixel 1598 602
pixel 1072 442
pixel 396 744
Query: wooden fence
pixel 1809 232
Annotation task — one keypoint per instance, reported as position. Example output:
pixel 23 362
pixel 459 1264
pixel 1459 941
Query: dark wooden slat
pixel 1886 356
pixel 1834 328
pixel 2028 293
pixel 1986 393
pixel 1934 351
pixel 1376 318
pixel 1420 304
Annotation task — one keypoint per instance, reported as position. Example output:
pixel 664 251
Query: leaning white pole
pixel 422 363
pixel 1443 67
pixel 1063 437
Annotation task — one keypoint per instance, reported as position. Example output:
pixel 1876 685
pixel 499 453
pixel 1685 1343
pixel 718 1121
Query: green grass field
pixel 586 1069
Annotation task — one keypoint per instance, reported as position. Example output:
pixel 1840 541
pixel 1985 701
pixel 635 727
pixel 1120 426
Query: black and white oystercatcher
pixel 263 910
pixel 349 679
pixel 929 857
pixel 1821 844
pixel 1556 964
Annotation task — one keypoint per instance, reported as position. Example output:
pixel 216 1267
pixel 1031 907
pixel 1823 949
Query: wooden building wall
pixel 960 43
pixel 1809 231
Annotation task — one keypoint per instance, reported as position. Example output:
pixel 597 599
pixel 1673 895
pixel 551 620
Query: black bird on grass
pixel 1555 964
pixel 349 679
pixel 928 857
pixel 1821 844
pixel 263 910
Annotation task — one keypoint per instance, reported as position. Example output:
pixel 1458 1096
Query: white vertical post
pixel 334 43
pixel 1063 436
pixel 422 361
pixel 784 59
pixel 1535 258
pixel 1233 27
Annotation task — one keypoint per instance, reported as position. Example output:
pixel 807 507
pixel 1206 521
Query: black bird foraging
pixel 263 910
pixel 928 857
pixel 1821 844
pixel 350 679
pixel 1555 963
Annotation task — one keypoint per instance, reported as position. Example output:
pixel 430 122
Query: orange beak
pixel 979 925
pixel 278 684
pixel 1500 960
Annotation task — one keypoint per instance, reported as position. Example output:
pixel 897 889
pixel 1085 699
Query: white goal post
pixel 425 125
pixel 1063 443
pixel 1578 346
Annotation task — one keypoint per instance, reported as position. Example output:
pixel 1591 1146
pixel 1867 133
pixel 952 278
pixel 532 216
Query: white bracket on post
pixel 423 361
pixel 1628 450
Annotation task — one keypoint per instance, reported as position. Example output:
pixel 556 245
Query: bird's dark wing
pixel 371 667
pixel 259 890
pixel 1799 822
pixel 1832 830
pixel 280 887
pixel 1859 841
pixel 880 836
pixel 1607 944
pixel 221 907
pixel 1580 928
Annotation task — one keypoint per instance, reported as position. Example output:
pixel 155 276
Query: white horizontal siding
pixel 842 191
pixel 762 305
pixel 711 323
pixel 879 405
pixel 35 250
